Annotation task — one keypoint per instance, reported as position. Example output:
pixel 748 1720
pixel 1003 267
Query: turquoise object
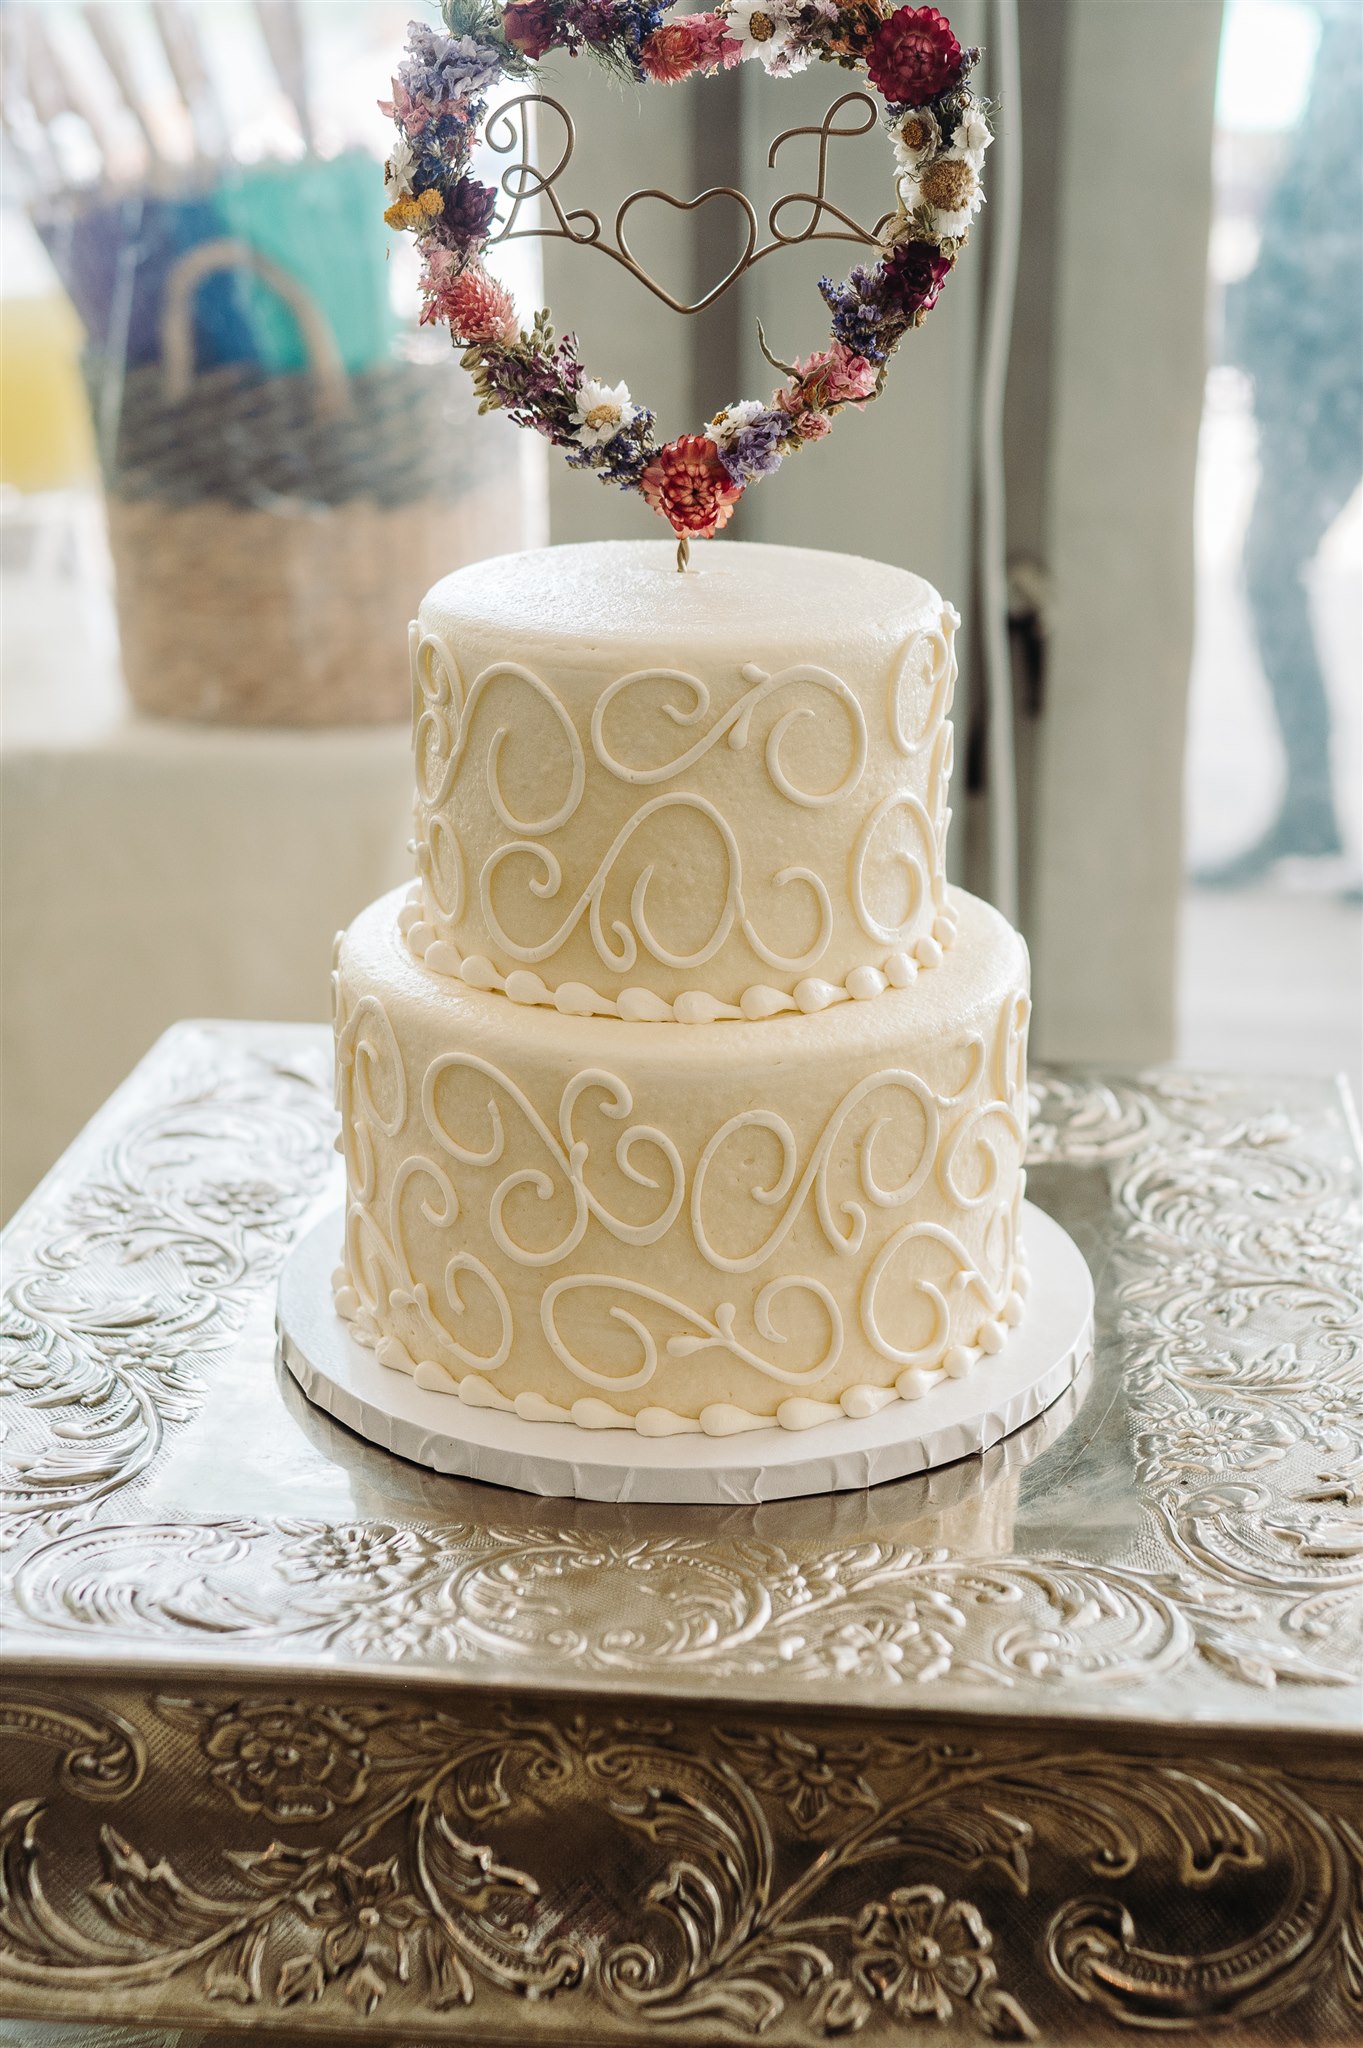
pixel 321 220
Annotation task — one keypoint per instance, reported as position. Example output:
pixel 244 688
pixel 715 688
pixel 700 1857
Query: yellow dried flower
pixel 413 213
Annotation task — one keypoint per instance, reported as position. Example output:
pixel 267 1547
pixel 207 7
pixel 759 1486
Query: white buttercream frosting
pixel 702 798
pixel 618 1224
pixel 647 804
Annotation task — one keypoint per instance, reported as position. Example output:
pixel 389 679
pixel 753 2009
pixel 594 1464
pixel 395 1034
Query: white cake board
pixel 958 1417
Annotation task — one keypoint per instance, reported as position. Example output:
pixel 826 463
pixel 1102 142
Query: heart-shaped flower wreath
pixel 939 130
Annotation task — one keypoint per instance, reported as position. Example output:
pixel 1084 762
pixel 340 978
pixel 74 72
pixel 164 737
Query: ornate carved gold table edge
pixel 1061 1744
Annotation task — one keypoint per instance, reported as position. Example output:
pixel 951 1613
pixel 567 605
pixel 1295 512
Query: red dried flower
pixel 914 57
pixel 912 275
pixel 671 53
pixel 530 25
pixel 688 484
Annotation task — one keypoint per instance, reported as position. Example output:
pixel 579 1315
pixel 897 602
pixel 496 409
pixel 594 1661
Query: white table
pixel 153 870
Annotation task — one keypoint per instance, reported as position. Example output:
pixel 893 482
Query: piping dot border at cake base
pixel 955 1418
pixel 694 1006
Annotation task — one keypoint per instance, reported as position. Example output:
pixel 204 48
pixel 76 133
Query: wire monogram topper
pixel 512 129
pixel 936 124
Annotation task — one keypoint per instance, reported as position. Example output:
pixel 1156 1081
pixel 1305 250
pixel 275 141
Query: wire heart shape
pixel 939 131
pixel 735 270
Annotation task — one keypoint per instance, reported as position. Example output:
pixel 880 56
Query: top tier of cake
pixel 697 796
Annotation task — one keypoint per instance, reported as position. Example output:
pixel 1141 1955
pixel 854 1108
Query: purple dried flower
pixel 441 67
pixel 755 449
pixel 467 213
pixel 858 309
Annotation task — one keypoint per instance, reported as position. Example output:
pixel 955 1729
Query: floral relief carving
pixel 289 1762
pixel 141 1275
pixel 924 1955
pixel 809 1878
pixel 122 1299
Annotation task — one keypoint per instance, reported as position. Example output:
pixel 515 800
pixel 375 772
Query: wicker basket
pixel 272 536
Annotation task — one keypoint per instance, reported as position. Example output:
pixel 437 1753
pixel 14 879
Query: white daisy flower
pixel 949 187
pixel 973 137
pixel 761 28
pixel 601 411
pixel 915 138
pixel 727 425
pixel 397 172
pixel 788 60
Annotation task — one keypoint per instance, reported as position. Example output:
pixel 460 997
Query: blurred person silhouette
pixel 1295 325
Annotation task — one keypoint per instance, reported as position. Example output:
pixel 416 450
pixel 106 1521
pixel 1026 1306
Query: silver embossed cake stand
pixel 1058 1742
pixel 954 1420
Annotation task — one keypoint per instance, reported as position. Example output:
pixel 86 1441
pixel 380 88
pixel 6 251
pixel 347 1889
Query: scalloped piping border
pixel 693 1006
pixel 719 1419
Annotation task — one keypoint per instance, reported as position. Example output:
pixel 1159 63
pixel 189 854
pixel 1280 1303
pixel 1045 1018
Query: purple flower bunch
pixel 621 460
pixel 873 309
pixel 755 449
pixel 439 67
pixel 537 385
pixel 467 213
pixel 619 26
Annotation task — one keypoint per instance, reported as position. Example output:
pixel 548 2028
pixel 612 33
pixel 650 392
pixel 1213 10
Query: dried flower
pixel 914 57
pixel 440 67
pixel 688 484
pixel 411 115
pixel 414 213
pixel 467 212
pixel 804 424
pixel 530 26
pixel 836 377
pixel 732 419
pixel 949 187
pixel 399 169
pixel 715 48
pixel 911 277
pixel 601 411
pixel 762 29
pixel 671 53
pixel 754 448
pixel 916 138
pixel 852 30
pixel 477 307
pixel 972 138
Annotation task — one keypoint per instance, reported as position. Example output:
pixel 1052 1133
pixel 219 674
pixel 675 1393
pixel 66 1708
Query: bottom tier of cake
pixel 671 1227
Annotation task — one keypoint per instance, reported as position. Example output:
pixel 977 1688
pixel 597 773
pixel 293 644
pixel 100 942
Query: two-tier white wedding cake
pixel 681 1093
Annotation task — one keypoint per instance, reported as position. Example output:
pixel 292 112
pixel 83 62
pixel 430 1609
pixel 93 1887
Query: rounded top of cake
pixel 787 603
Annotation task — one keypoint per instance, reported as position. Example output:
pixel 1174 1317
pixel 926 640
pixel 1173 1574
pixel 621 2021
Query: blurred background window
pixel 1273 922
pixel 231 461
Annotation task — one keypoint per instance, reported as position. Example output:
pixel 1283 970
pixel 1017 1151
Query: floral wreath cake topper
pixel 939 130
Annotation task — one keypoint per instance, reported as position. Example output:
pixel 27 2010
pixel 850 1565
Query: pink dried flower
pixel 477 308
pixel 804 424
pixel 836 377
pixel 412 115
pixel 716 49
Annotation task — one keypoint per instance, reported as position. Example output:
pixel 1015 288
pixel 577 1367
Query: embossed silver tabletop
pixel 1057 1743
